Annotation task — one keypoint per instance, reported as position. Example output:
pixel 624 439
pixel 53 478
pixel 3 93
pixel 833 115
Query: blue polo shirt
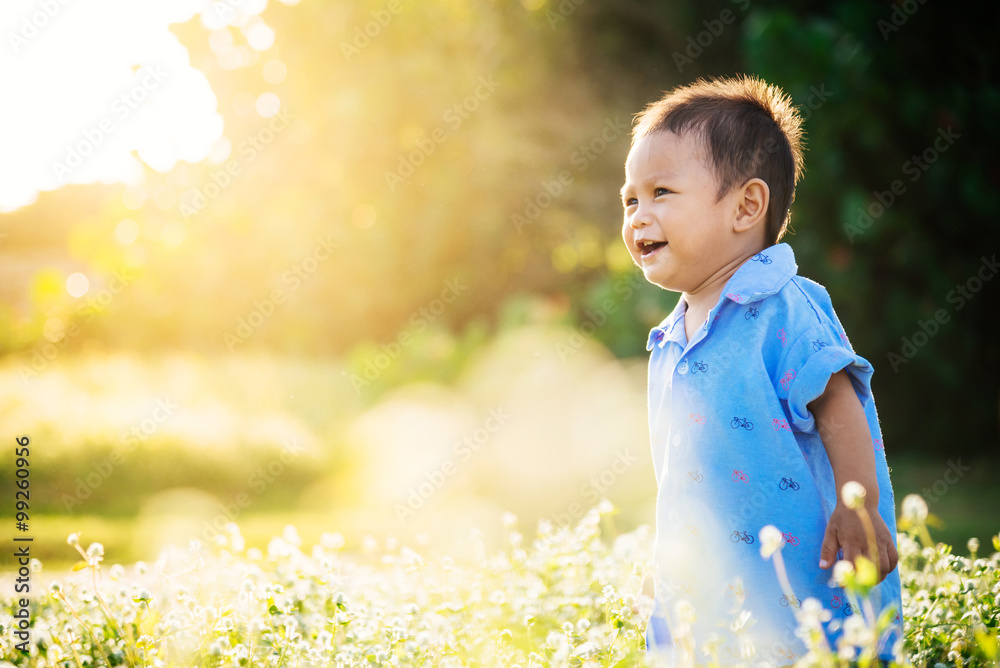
pixel 736 448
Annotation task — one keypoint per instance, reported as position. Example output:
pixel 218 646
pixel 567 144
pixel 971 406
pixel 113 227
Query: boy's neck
pixel 702 299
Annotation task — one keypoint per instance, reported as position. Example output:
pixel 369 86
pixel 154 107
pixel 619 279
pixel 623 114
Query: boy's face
pixel 674 228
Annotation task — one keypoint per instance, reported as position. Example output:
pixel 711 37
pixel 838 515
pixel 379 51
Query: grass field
pixel 361 458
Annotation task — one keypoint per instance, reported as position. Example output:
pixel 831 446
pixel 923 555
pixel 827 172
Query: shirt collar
pixel 762 275
pixel 668 330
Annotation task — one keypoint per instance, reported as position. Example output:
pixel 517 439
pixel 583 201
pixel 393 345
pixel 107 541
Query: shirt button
pixel 682 368
pixel 676 440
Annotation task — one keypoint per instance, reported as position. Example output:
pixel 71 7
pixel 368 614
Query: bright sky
pixel 91 89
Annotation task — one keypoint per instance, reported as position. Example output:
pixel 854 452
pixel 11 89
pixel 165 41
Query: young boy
pixel 759 409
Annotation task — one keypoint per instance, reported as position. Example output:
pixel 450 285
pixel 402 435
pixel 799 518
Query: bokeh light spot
pixel 173 234
pixel 126 231
pixel 164 198
pixel 230 58
pixel 54 329
pixel 220 150
pixel 274 72
pixel 617 258
pixel 363 216
pixel 220 40
pixel 243 103
pixel 134 198
pixel 564 258
pixel 77 285
pixel 268 105
pixel 259 35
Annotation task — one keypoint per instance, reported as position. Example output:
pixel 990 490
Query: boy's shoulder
pixel 803 309
pixel 811 298
pixel 808 291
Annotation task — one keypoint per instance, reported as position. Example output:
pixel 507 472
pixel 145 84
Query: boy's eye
pixel 630 201
pixel 660 191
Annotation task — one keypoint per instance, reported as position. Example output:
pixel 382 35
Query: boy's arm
pixel 841 422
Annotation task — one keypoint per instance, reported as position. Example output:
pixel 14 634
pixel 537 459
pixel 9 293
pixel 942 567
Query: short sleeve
pixel 808 365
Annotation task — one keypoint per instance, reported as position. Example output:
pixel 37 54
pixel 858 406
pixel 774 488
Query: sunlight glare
pixel 108 89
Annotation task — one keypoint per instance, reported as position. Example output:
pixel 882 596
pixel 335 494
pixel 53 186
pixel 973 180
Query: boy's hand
pixel 843 428
pixel 846 531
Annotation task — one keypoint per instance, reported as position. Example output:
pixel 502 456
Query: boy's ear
pixel 751 205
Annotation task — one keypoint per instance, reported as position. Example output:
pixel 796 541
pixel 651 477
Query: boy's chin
pixel 665 285
pixel 659 281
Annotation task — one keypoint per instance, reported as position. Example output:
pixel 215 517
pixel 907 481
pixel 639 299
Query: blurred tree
pixel 893 93
pixel 482 143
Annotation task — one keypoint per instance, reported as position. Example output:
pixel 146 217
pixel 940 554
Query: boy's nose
pixel 638 221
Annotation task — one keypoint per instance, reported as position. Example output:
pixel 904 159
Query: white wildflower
pixel 770 540
pixel 332 541
pixel 291 535
pixel 813 613
pixel 856 632
pixel 853 494
pixel 914 509
pixel 841 570
pixel 685 611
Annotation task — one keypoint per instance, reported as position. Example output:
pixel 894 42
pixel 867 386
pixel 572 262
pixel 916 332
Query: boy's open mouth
pixel 650 247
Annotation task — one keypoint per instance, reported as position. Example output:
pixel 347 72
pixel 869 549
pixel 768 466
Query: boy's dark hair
pixel 750 128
